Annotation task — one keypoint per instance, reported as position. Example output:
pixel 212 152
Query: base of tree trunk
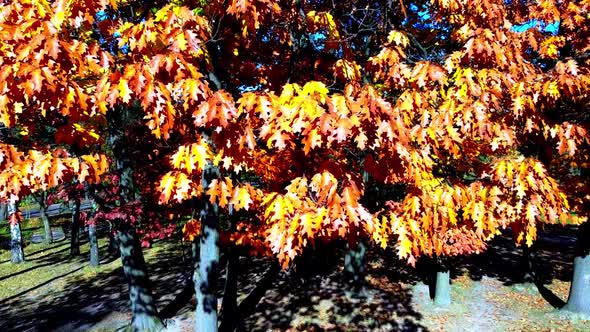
pixel 75 230
pixel 230 317
pixel 47 227
pixel 354 265
pixel 143 305
pixel 442 293
pixel 205 278
pixel 142 322
pixel 579 297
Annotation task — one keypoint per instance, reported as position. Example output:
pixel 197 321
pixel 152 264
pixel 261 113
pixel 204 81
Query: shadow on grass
pixel 268 300
pixel 325 300
pixel 551 259
pixel 55 257
pixel 86 299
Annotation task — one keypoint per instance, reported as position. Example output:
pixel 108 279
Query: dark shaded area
pixel 180 301
pixel 86 301
pixel 315 295
pixel 42 250
pixel 229 316
pixel 551 257
pixel 554 300
pixel 328 301
pixel 143 305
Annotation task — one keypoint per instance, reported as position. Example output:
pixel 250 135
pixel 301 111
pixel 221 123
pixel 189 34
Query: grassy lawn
pixel 28 227
pixel 43 262
pixel 53 291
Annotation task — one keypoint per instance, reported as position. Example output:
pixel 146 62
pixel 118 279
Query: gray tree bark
pixel 45 218
pixel 143 305
pixel 442 284
pixel 579 296
pixel 144 312
pixel 16 240
pixel 442 295
pixel 3 211
pixel 94 258
pixel 205 277
pixel 75 229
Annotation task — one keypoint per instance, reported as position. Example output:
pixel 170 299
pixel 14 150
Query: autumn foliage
pixel 484 130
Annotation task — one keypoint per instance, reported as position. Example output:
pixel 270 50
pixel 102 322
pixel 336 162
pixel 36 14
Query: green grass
pixel 44 262
pixel 32 226
pixel 47 262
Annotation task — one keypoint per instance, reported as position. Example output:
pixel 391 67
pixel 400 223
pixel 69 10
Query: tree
pixel 3 211
pixel 50 65
pixel 41 198
pixel 277 110
pixel 486 107
pixel 16 239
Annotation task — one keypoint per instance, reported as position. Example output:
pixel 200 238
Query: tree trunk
pixel 442 295
pixel 579 297
pixel 41 198
pixel 45 218
pixel 143 305
pixel 205 277
pixel 143 308
pixel 113 243
pixel 94 258
pixel 229 315
pixel 442 287
pixel 354 264
pixel 527 264
pixel 16 240
pixel 75 230
pixel 3 211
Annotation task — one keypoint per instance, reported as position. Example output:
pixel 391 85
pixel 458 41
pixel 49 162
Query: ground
pixel 53 292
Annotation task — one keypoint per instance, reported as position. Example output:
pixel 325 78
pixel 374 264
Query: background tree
pixel 41 199
pixel 496 97
pixel 16 239
pixel 50 65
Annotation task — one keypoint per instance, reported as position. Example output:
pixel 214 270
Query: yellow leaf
pixel 162 14
pixel 58 19
pixel 399 38
pixel 313 87
pixel 124 91
pixel 178 158
pixel 307 224
pixel 200 154
pixel 405 247
pixel 531 213
pixel 166 186
pixel 241 198
pixel 181 42
pixel 452 215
